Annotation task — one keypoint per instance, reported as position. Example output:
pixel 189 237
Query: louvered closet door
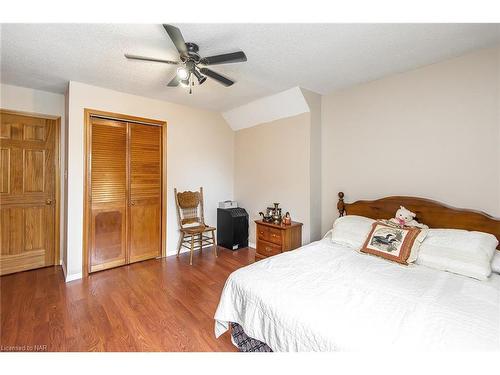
pixel 108 194
pixel 145 192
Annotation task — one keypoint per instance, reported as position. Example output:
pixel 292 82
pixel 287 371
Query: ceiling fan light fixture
pixel 182 73
pixel 201 78
pixel 189 58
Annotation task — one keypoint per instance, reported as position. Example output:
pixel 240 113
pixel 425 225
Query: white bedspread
pixel 325 297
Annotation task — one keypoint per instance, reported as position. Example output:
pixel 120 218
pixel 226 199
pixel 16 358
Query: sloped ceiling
pixel 284 104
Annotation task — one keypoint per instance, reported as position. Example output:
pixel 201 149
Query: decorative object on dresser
pixel 267 217
pixel 273 239
pixel 272 215
pixel 287 219
pixel 192 223
pixel 276 214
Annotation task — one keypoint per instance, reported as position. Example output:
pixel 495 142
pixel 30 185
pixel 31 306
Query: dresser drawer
pixel 269 234
pixel 274 236
pixel 267 249
pixel 262 233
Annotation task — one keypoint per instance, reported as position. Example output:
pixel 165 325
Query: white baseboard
pixel 69 278
pixel 75 276
pixel 64 269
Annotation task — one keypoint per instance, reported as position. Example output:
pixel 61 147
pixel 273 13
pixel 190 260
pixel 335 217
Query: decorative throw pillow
pixel 392 242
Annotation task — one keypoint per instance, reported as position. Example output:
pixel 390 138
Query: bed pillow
pixel 395 243
pixel 351 231
pixel 495 262
pixel 459 251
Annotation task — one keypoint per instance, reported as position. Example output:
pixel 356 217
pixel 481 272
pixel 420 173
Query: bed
pixel 327 297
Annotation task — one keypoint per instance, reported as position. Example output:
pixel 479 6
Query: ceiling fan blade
pixel 175 34
pixel 174 82
pixel 143 58
pixel 221 79
pixel 226 58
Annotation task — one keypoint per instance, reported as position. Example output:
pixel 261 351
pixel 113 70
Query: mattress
pixel 327 297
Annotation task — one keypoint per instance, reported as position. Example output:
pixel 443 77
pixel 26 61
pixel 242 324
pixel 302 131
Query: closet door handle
pixel 132 203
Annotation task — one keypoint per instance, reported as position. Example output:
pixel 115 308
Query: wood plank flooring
pixel 155 305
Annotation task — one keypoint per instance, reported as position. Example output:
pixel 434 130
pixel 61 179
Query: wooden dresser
pixel 274 239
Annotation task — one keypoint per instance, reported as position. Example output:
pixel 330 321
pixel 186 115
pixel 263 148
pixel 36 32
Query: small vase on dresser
pixel 273 239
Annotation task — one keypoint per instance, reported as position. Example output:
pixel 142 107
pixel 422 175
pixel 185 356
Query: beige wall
pixel 432 132
pixel 272 165
pixel 199 153
pixel 46 103
pixel 314 103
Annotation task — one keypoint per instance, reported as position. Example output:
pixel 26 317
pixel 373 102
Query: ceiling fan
pixel 190 62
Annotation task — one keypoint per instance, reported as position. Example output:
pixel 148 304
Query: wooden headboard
pixel 429 212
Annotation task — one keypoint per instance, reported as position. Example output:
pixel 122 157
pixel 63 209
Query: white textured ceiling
pixel 318 57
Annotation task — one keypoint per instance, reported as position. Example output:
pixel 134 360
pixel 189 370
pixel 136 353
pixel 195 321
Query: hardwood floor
pixel 156 305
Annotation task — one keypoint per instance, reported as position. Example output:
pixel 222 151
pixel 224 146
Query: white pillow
pixel 495 262
pixel 351 231
pixel 458 251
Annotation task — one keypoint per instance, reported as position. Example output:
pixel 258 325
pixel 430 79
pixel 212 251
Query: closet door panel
pixel 108 194
pixel 145 192
pixel 108 238
pixel 144 232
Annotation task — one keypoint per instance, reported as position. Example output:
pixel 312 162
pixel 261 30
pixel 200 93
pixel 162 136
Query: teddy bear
pixel 405 217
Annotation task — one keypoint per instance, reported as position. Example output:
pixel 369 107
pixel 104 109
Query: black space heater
pixel 232 228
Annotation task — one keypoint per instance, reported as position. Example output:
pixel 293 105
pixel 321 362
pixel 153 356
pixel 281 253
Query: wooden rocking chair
pixel 192 223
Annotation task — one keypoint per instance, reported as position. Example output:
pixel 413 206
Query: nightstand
pixel 275 239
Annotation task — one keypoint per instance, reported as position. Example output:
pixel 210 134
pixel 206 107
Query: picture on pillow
pixel 392 242
pixel 387 239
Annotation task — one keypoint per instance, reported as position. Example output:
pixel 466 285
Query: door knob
pixel 48 202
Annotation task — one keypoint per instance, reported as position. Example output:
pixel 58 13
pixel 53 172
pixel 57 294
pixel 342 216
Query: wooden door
pixel 27 192
pixel 108 194
pixel 145 192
